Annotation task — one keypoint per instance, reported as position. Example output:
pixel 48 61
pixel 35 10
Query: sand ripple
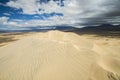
pixel 60 56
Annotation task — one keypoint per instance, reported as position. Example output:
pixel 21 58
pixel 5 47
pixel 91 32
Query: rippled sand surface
pixel 56 55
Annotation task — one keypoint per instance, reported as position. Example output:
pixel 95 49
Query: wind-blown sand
pixel 59 55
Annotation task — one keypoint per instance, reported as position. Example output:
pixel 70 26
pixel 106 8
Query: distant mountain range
pixel 103 27
pixel 104 30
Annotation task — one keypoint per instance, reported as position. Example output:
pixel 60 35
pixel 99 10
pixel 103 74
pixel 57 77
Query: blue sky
pixel 77 13
pixel 17 13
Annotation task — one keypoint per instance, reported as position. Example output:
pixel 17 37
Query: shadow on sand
pixel 8 37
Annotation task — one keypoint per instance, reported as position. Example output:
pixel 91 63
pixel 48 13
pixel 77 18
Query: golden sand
pixel 59 55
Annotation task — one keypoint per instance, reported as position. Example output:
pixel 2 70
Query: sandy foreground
pixel 59 55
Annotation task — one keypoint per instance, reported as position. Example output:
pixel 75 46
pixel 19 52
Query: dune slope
pixel 60 56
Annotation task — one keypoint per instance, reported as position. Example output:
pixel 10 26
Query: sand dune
pixel 59 55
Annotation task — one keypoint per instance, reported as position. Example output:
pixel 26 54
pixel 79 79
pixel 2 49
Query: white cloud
pixel 3 20
pixel 83 8
pixel 52 21
pixel 74 11
pixel 28 6
pixel 6 14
